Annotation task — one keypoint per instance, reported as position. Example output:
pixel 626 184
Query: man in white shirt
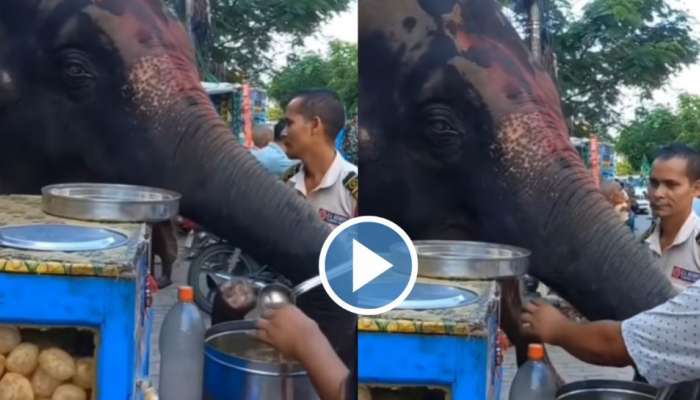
pixel 674 236
pixel 329 182
pixel 663 343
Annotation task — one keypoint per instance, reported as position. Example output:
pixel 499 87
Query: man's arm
pixel 598 343
pixel 297 336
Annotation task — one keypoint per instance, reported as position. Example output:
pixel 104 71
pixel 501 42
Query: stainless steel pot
pixel 606 390
pixel 237 366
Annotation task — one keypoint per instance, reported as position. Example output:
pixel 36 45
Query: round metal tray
pixel 470 260
pixel 109 202
pixel 428 296
pixel 54 237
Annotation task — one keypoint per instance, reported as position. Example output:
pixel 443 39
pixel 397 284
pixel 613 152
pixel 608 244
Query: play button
pixel 368 265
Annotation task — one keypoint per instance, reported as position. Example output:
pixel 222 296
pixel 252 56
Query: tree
pixel 689 120
pixel 336 71
pixel 615 44
pixel 659 127
pixel 649 131
pixel 274 113
pixel 623 168
pixel 244 31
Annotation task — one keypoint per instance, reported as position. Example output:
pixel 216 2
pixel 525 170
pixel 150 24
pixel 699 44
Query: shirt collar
pixel 685 233
pixel 329 178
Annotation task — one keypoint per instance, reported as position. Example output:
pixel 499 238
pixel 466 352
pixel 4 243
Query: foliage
pixel 624 168
pixel 336 71
pixel 615 44
pixel 658 127
pixel 689 120
pixel 274 113
pixel 244 31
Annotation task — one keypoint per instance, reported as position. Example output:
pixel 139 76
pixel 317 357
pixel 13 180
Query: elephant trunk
pixel 575 234
pixel 225 189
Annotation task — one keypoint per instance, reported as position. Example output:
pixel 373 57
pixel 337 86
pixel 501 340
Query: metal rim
pixel 611 390
pixel 249 365
pixel 121 239
pixel 603 385
pixel 50 190
pixel 519 253
pixel 211 354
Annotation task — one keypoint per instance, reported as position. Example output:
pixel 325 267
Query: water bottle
pixel 182 350
pixel 534 380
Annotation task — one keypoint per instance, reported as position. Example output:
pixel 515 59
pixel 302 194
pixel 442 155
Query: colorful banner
pixel 247 118
pixel 595 163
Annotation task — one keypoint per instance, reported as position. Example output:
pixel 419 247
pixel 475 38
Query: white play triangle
pixel 366 265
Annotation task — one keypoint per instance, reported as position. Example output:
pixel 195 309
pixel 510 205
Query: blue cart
pixel 446 353
pixel 102 293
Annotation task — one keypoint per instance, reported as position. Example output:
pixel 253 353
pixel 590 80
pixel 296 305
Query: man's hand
pixel 288 330
pixel 297 336
pixel 542 322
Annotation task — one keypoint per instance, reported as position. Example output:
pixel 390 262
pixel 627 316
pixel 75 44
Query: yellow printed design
pixel 17 266
pixel 351 184
pixel 51 268
pixel 82 270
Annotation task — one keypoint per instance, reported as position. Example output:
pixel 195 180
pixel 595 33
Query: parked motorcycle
pixel 214 261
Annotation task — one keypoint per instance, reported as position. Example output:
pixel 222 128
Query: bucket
pixel 237 366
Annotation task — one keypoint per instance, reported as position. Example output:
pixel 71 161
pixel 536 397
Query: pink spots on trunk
pixel 155 84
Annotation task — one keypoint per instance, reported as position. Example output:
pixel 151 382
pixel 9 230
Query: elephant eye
pixel 76 70
pixel 441 126
pixel 440 121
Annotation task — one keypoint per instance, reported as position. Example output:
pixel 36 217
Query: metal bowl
pixel 606 390
pixel 110 202
pixel 446 259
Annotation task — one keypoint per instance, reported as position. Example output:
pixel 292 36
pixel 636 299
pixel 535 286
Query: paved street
pixel 570 368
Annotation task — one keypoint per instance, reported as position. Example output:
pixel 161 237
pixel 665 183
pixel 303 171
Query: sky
pixel 342 26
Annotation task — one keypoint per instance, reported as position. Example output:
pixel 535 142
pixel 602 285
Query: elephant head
pixel 108 90
pixel 465 139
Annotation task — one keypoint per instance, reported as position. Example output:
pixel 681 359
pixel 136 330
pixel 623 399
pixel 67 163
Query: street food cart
pixel 89 303
pixel 442 342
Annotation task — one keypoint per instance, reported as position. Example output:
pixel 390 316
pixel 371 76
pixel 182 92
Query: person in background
pixel 313 120
pixel 617 198
pixel 662 343
pixel 262 136
pixel 289 331
pixel 273 156
pixel 674 235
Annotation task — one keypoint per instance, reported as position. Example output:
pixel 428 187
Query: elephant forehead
pixel 401 25
pixel 136 35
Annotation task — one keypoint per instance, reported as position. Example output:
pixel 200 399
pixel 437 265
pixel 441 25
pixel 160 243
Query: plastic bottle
pixel 535 379
pixel 182 350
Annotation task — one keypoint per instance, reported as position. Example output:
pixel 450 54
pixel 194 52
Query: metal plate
pixel 470 260
pixel 67 238
pixel 109 202
pixel 426 296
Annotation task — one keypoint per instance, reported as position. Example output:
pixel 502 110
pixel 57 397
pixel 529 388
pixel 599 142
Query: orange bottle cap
pixel 535 351
pixel 185 294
